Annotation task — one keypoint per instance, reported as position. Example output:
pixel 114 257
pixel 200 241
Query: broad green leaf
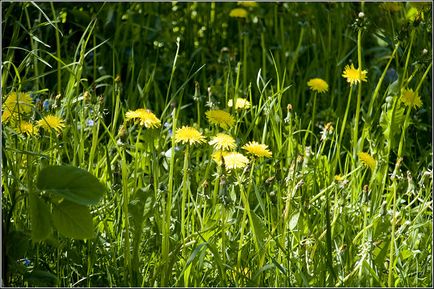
pixel 73 220
pixel 40 218
pixel 73 184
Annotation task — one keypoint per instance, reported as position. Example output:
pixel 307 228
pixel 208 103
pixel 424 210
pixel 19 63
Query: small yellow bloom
pixel 248 3
pixel 221 118
pixel 50 122
pixel 241 103
pixel 412 14
pixel 257 149
pixel 339 178
pixel 6 115
pixel 145 116
pixel 238 12
pixel 367 160
pixel 391 6
pixel 18 102
pixel 217 156
pixel 411 98
pixel 231 160
pixel 223 141
pixel 27 128
pixel 190 135
pixel 318 85
pixel 354 76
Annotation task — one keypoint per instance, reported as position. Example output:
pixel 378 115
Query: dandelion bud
pixel 122 131
pixel 289 107
pixel 86 96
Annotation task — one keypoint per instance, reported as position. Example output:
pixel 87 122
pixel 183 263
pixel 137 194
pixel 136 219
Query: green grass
pixel 311 215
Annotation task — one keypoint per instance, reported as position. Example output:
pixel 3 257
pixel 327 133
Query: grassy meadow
pixel 216 144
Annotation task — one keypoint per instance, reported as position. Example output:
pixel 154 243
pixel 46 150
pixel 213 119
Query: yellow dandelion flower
pixel 248 3
pixel 27 128
pixel 234 160
pixel 18 102
pixel 257 149
pixel 218 156
pixel 318 85
pixel 411 98
pixel 231 160
pixel 223 141
pixel 339 178
pixel 238 12
pixel 391 6
pixel 412 14
pixel 221 118
pixel 367 160
pixel 6 115
pixel 190 135
pixel 241 103
pixel 145 116
pixel 50 122
pixel 353 75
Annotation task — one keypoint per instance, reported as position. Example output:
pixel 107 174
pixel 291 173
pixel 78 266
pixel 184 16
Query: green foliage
pixel 73 220
pixel 73 184
pixel 40 218
pixel 102 200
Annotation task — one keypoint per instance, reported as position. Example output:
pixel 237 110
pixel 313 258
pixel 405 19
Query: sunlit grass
pixel 242 144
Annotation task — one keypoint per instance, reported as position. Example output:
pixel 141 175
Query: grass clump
pixel 240 144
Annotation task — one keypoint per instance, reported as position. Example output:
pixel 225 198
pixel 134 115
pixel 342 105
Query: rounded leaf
pixel 73 184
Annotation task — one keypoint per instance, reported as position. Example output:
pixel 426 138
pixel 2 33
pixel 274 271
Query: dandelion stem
pixel 313 117
pixel 337 156
pixel 166 225
pixel 184 191
pixel 359 97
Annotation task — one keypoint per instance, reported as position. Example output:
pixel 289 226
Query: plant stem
pixel 185 188
pixel 313 117
pixel 168 211
pixel 359 97
pixel 338 145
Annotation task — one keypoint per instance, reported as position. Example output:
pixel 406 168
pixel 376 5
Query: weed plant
pixel 233 144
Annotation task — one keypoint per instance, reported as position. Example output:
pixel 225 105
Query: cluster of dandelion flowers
pixel 410 98
pixel 238 13
pixel 27 128
pixel 367 160
pixel 257 149
pixel 223 141
pixel 318 85
pixel 220 118
pixel 145 116
pixel 188 135
pixel 353 75
pixel 231 160
pixel 50 122
pixel 241 103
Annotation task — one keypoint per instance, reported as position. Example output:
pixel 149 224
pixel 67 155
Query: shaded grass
pixel 284 221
